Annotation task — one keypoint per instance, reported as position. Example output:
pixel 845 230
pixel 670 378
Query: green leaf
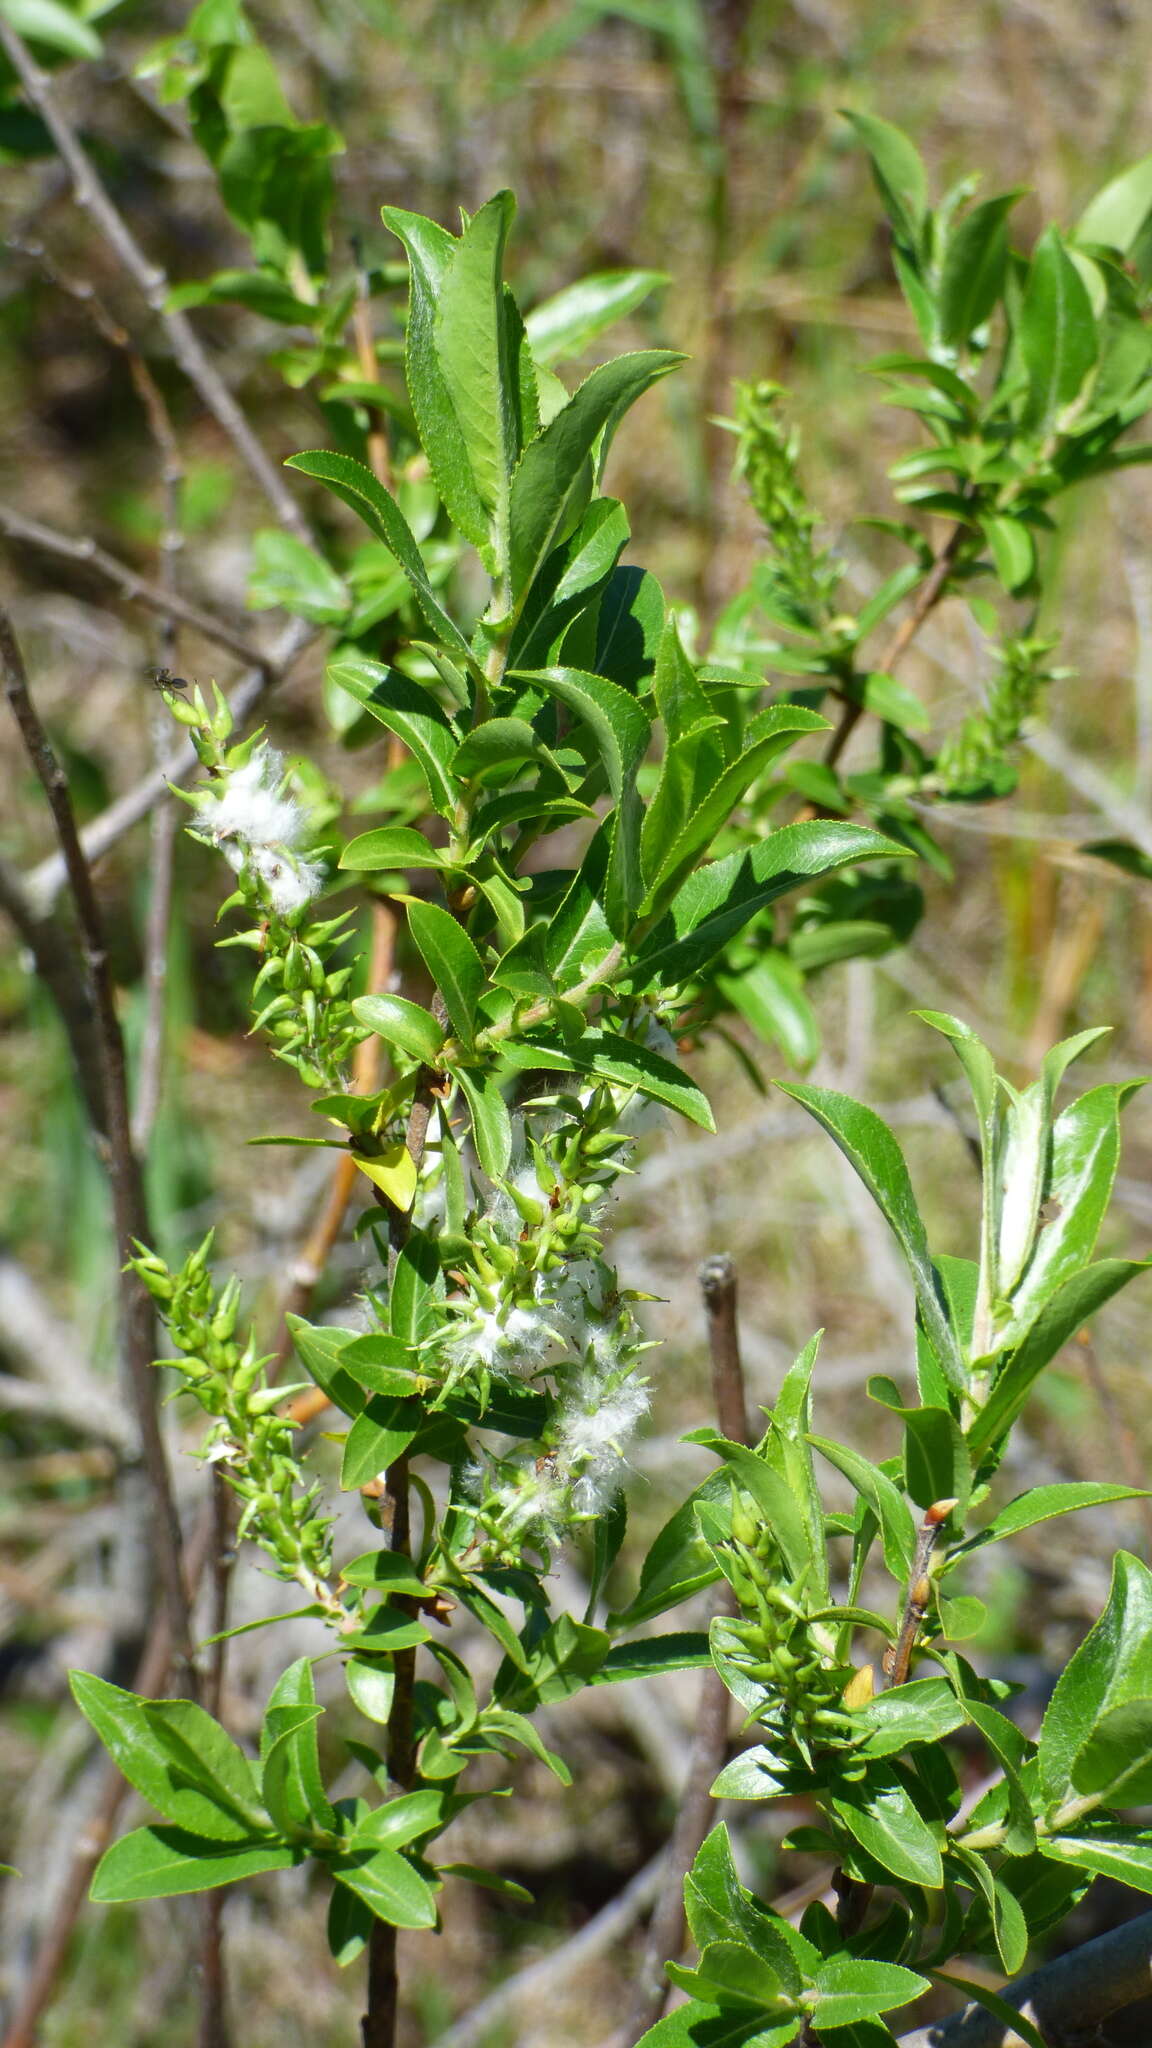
pixel 1112 1665
pixel 1040 1504
pixel 1115 1852
pixel 390 846
pixel 53 25
pixel 1116 1760
pixel 1013 550
pixel 1072 1305
pixel 782 1510
pixel 685 814
pixel 700 2025
pixel 609 1057
pixel 975 265
pixel 1119 211
pixel 452 961
pixel 565 324
pixel 431 250
pixel 288 573
pixel 936 1461
pixel 401 1023
pixel 203 1754
pixel 546 487
pixel 926 1710
pixel 354 482
pixel 413 715
pixel 718 900
pixel 885 698
pixel 136 1747
pixel 769 995
pixel 899 176
pixel 404 1820
pixel 166 1862
pixel 881 1814
pixel 1010 1747
pixel 386 1571
pixel 396 1893
pixel 289 1752
pixel 887 1503
pixel 719 1908
pixel 491 1122
pixel 1057 331
pixel 870 1147
pixel 471 340
pixel 318 1346
pixel 380 1434
pixel 734 1973
pixel 854 1988
pixel 618 725
pixel 684 1650
pixel 1077 1190
pixel 371 1686
pixel 679 1563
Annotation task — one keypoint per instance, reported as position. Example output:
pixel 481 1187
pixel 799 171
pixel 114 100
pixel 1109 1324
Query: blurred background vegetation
pixel 700 138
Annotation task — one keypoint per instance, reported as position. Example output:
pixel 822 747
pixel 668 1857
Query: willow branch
pixel 168 603
pixel 1066 2000
pixel 153 283
pixel 928 597
pixel 123 1166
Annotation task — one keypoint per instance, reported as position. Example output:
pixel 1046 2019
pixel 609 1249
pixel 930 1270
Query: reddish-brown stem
pixel 927 598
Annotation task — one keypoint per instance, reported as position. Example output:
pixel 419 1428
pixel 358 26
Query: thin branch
pixel 42 884
pixel 898 1655
pixel 153 282
pixel 137 1327
pixel 710 1736
pixel 58 967
pixel 928 597
pixel 130 584
pixel 1066 2000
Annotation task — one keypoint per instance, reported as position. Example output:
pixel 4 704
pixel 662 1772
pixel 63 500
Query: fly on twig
pixel 162 679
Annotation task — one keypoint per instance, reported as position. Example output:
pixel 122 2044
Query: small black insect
pixel 162 679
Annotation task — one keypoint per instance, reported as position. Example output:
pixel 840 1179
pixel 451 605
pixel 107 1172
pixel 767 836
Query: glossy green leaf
pixel 318 1346
pixel 452 961
pixel 899 176
pixel 203 1754
pixel 150 1765
pixel 1123 1854
pixel 609 1057
pixel 1013 550
pixel 288 1748
pixel 413 715
pixel 388 1571
pixel 388 1884
pixel 1057 331
pixel 770 996
pixel 678 1563
pixel 926 1710
pixel 1112 1665
pixel 402 1024
pixel 1009 1746
pixel 491 1121
pixel 1041 1504
pixel 1062 1315
pixel 738 1976
pixel 565 324
pixel 380 1434
pixel 887 1503
pixel 1077 1190
pixel 471 340
pixel 854 1988
pixel 55 26
pixel 975 265
pixel 870 1147
pixel 359 488
pixel 547 483
pixel 718 900
pixel 167 1862
pixel 618 725
pixel 390 846
pixel 404 1820
pixel 431 249
pixel 697 2024
pixel 371 1686
pixel 1120 210
pixel 881 1814
pixel 1116 1760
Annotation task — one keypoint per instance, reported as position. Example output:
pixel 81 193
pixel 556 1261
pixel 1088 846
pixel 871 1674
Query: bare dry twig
pixel 153 282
